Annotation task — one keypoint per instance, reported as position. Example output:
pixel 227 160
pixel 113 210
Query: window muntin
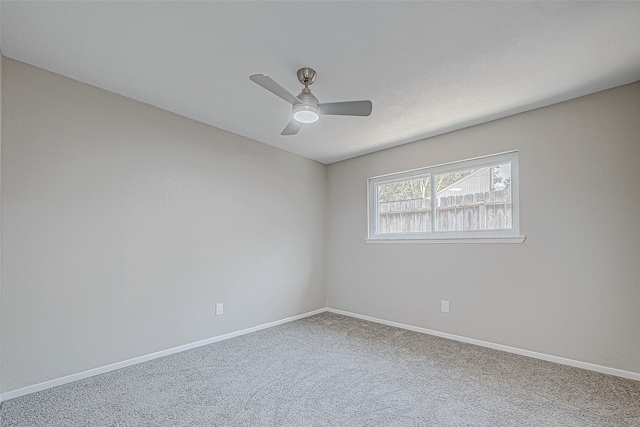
pixel 474 198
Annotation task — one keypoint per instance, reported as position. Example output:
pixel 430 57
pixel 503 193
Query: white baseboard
pixel 101 370
pixel 533 354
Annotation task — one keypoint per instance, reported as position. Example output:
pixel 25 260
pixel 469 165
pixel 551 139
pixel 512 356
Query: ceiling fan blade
pixel 349 108
pixel 292 128
pixel 269 84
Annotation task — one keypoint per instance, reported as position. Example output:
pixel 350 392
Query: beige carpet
pixel 332 370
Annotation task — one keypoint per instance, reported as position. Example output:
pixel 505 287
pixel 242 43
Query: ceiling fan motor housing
pixel 307 110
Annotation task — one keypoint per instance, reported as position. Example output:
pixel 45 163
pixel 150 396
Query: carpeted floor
pixel 332 370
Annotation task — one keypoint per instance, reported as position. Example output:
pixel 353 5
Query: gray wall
pixel 123 225
pixel 1 61
pixel 571 289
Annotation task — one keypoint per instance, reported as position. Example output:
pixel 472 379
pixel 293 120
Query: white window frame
pixel 511 235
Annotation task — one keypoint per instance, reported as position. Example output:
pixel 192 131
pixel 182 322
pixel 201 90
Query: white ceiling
pixel 428 67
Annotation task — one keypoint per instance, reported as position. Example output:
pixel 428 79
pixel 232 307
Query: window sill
pixel 510 239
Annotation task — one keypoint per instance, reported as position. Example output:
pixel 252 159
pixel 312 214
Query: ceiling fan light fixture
pixel 304 113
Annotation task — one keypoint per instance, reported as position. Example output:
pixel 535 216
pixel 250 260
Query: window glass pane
pixel 474 199
pixel 404 206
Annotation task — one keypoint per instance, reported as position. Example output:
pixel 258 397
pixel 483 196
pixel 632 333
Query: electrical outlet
pixel 444 306
pixel 219 309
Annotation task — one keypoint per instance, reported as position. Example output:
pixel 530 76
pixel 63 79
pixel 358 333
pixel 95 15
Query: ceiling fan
pixel 305 106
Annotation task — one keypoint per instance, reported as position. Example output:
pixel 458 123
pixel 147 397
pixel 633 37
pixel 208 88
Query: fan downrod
pixel 307 76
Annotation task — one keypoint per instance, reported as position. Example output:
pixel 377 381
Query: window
pixel 469 201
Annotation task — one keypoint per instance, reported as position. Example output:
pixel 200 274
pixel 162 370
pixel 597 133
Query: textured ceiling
pixel 428 67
